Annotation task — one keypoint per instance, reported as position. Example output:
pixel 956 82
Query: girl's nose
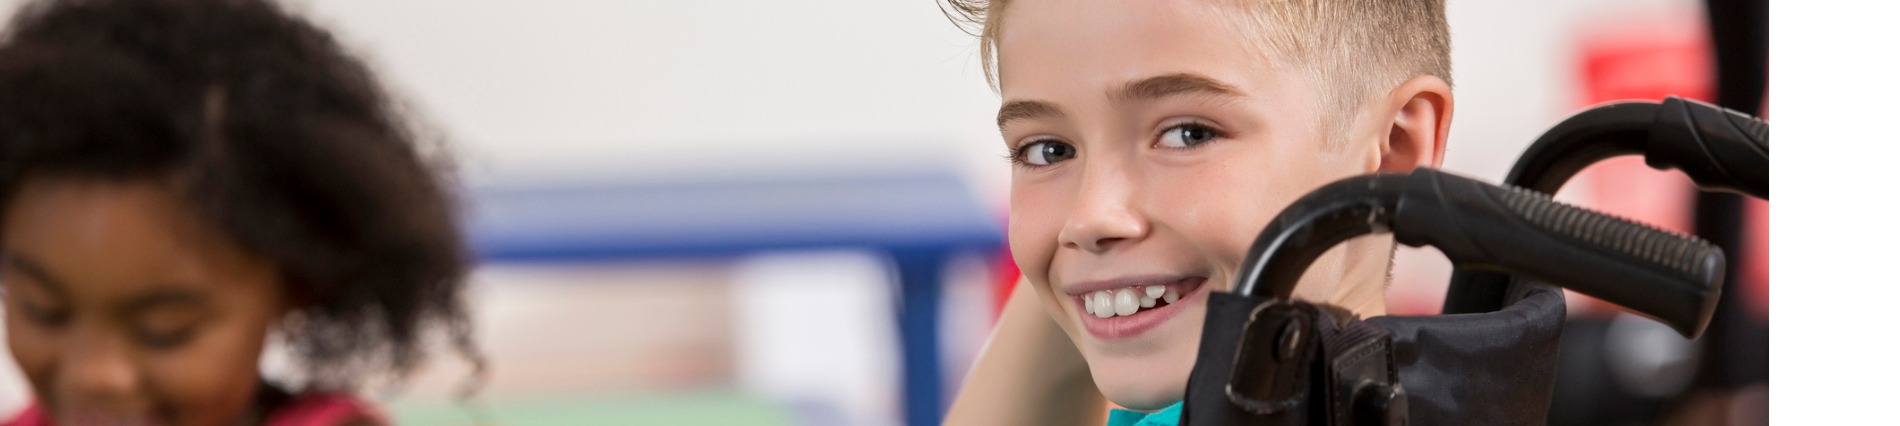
pixel 97 371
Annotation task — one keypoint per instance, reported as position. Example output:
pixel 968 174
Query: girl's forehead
pixel 109 240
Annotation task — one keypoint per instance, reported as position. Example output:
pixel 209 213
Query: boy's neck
pixel 1366 275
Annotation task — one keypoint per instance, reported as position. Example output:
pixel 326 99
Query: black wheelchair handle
pixel 1674 278
pixel 1719 149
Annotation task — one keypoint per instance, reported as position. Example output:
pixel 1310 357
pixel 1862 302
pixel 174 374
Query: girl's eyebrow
pixel 37 273
pixel 165 297
pixel 162 297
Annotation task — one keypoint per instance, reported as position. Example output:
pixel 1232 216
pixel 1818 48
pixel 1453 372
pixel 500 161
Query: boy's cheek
pixel 1032 244
pixel 1218 235
pixel 1033 230
pixel 1034 264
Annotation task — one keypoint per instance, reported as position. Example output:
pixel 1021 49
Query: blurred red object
pixel 1631 59
pixel 1004 276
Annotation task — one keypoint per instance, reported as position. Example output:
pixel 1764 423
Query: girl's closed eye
pixel 38 307
pixel 167 328
pixel 1188 135
pixel 43 314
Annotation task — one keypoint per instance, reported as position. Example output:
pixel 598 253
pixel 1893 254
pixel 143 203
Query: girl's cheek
pixel 213 379
pixel 34 350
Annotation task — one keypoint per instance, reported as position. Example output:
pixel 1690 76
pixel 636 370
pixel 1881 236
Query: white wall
pixel 577 88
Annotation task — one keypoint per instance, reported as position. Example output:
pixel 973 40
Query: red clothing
pixel 316 409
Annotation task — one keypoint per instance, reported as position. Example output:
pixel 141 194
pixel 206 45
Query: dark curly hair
pixel 275 135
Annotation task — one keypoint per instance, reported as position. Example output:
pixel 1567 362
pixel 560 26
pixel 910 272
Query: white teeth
pixel 1125 303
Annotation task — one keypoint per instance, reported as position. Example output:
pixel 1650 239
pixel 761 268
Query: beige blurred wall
pixel 574 89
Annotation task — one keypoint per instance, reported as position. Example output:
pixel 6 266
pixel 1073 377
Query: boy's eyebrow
pixel 33 270
pixel 1156 87
pixel 1013 111
pixel 1162 86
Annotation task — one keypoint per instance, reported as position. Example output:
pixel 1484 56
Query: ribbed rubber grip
pixel 1675 278
pixel 1683 253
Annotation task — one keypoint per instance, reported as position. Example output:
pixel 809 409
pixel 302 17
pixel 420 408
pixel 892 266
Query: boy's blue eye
pixel 1187 135
pixel 1045 153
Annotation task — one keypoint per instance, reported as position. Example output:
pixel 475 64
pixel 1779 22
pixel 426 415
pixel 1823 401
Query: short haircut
pixel 1355 49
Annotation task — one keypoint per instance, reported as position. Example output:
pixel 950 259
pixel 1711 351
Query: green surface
pixel 703 408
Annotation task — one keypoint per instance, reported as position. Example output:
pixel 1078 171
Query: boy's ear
pixel 1420 112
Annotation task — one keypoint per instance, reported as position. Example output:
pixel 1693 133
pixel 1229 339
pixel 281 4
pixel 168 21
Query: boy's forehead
pixel 1067 48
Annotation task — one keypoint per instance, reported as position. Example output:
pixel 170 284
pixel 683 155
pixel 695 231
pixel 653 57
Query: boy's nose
pixel 1103 215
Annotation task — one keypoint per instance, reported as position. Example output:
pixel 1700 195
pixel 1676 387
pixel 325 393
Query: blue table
pixel 919 218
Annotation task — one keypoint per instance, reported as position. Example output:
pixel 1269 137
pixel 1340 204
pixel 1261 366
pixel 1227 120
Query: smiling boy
pixel 1153 140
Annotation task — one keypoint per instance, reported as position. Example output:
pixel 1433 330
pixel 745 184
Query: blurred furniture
pixel 918 218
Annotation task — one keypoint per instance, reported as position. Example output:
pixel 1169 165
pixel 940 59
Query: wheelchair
pixel 1268 360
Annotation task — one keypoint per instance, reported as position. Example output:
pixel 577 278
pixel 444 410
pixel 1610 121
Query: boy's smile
pixel 1154 140
pixel 1127 307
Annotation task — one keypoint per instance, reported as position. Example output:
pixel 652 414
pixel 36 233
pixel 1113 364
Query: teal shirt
pixel 1170 416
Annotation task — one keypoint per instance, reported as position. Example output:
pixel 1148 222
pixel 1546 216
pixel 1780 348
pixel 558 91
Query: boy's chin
pixel 1151 396
pixel 1138 385
pixel 1149 373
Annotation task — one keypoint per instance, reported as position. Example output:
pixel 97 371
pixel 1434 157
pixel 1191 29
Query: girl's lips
pixel 1126 326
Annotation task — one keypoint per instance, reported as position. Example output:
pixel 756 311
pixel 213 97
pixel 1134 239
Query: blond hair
pixel 1357 49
